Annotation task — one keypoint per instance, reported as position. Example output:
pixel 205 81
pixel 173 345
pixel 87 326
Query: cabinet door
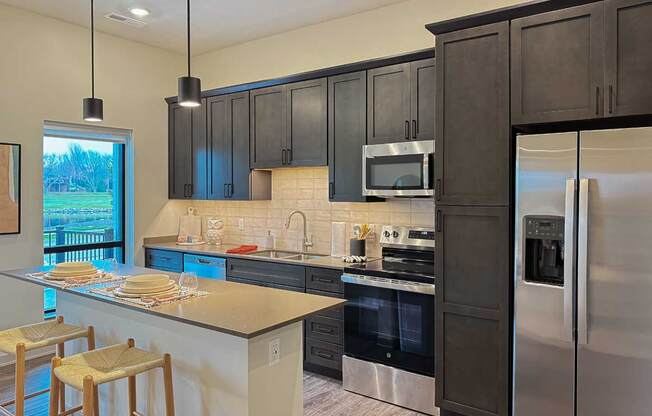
pixel 268 127
pixel 557 65
pixel 199 181
pixel 238 119
pixel 179 151
pixel 218 147
pixel 422 99
pixel 628 57
pixel 307 135
pixel 347 118
pixel 388 104
pixel 472 145
pixel 472 317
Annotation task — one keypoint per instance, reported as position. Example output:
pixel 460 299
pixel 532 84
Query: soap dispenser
pixel 270 241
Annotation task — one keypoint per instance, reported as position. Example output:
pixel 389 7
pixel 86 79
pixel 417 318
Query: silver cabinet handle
pixel 582 263
pixel 569 260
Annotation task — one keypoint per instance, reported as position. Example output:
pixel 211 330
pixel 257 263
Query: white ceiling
pixel 215 23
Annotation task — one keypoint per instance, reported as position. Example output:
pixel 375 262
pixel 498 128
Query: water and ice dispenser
pixel 544 249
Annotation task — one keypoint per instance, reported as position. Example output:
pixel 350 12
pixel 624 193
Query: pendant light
pixel 93 107
pixel 189 87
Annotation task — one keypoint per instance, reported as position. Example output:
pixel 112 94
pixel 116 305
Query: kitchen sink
pixel 286 255
pixel 304 257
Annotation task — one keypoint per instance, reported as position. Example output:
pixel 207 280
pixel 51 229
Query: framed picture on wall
pixel 9 188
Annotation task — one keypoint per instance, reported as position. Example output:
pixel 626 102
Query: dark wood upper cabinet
pixel 218 146
pixel 307 135
pixel 268 127
pixel 187 152
pixel 388 104
pixel 557 65
pixel 473 309
pixel 238 117
pixel 347 133
pixel 228 146
pixel 628 57
pixel 422 96
pixel 472 116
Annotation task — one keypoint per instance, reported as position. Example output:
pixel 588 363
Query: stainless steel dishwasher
pixel 204 266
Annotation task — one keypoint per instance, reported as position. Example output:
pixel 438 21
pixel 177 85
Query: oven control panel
pixel 407 236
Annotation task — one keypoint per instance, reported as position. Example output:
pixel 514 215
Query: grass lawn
pixel 59 200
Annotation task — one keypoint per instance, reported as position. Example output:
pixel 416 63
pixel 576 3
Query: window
pixel 83 199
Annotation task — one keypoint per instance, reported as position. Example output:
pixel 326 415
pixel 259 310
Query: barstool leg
pixel 20 379
pixel 87 407
pixel 132 384
pixel 62 387
pixel 90 339
pixel 167 380
pixel 54 388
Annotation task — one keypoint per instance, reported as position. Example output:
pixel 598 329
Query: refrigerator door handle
pixel 582 263
pixel 569 261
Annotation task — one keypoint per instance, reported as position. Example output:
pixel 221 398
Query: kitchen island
pixel 220 345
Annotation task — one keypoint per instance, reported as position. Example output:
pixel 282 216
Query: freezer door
pixel 544 308
pixel 614 371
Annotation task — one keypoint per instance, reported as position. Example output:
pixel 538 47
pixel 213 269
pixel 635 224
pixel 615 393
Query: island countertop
pixel 242 310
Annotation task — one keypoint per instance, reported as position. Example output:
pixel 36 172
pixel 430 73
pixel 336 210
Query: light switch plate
pixel 274 351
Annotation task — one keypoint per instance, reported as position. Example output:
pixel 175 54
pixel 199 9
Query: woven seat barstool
pixel 20 340
pixel 86 371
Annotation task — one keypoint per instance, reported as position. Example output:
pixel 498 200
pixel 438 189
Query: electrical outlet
pixel 241 224
pixel 274 351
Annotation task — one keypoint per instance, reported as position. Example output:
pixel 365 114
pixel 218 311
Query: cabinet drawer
pixel 327 280
pixel 334 313
pixel 324 354
pixel 164 259
pixel 263 284
pixel 325 329
pixel 267 272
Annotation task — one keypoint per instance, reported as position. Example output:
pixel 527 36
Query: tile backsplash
pixel 306 189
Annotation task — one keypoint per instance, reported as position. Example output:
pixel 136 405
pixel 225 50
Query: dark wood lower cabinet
pixel 473 310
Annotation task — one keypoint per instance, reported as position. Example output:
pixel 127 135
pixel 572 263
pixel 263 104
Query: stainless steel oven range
pixel 389 330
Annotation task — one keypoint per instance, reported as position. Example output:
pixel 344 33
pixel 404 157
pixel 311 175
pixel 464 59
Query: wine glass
pixel 111 266
pixel 188 282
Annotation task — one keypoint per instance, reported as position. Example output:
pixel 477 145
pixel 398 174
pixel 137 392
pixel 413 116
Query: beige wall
pixel 44 75
pixel 390 30
pixel 306 189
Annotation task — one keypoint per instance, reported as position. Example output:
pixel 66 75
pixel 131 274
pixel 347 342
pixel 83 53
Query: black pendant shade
pixel 189 91
pixel 189 86
pixel 93 108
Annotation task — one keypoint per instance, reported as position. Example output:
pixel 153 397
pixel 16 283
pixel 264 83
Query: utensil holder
pixel 357 247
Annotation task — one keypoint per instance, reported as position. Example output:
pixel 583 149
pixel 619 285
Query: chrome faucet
pixel 307 242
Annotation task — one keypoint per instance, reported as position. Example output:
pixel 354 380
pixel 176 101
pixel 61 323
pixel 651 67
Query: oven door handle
pixel 414 287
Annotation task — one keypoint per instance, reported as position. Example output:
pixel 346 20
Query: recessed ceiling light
pixel 140 12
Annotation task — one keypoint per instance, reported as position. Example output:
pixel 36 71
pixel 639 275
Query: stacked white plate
pixel 81 270
pixel 147 285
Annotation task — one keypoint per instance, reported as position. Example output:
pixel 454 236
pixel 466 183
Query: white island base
pixel 214 373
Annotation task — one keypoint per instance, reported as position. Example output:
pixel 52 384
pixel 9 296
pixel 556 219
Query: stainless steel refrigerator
pixel 583 274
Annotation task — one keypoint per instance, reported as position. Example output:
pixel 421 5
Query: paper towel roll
pixel 338 241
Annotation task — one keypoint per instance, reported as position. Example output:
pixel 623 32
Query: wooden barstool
pixel 17 341
pixel 88 370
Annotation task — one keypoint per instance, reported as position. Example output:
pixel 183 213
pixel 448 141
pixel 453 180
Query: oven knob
pixel 395 234
pixel 388 355
pixel 386 234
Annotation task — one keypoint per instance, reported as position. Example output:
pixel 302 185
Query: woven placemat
pixel 63 284
pixel 163 300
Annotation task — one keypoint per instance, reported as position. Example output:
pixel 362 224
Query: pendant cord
pixel 92 51
pixel 188 28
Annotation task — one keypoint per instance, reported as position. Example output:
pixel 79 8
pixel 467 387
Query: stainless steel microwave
pixel 398 169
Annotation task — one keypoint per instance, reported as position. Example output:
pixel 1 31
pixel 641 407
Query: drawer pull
pixel 324 355
pixel 323 329
pixel 323 280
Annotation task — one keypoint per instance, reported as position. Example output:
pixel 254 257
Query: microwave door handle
pixel 422 288
pixel 426 178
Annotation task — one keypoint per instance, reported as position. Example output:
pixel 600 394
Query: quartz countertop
pixel 220 251
pixel 241 310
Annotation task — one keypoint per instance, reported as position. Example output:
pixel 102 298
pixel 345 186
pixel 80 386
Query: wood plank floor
pixel 323 396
